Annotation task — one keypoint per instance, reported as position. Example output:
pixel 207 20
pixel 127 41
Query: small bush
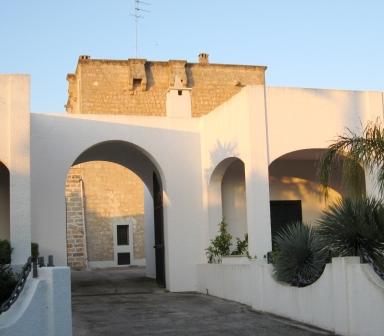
pixel 5 252
pixel 34 250
pixel 220 246
pixel 7 276
pixel 299 258
pixel 8 282
pixel 241 246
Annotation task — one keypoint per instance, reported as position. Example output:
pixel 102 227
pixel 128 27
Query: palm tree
pixel 351 152
pixel 355 226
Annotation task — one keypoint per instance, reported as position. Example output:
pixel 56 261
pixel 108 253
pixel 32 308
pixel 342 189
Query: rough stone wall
pixel 214 84
pixel 75 228
pixel 112 193
pixel 139 87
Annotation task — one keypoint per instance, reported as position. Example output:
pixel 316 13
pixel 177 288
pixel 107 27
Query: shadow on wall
pixel 294 176
pixel 221 152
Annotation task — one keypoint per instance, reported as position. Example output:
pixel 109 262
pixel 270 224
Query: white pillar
pixel 14 110
pixel 256 176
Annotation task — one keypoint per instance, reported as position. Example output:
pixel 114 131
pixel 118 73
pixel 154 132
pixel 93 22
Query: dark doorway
pixel 4 203
pixel 159 231
pixel 284 213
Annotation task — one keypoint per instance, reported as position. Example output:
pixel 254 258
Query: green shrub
pixel 5 252
pixel 300 258
pixel 220 246
pixel 34 250
pixel 7 276
pixel 8 282
pixel 241 246
pixel 354 227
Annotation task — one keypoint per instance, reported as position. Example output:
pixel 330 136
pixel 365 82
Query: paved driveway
pixel 124 302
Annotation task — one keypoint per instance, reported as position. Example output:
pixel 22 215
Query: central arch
pixel 296 193
pixel 142 165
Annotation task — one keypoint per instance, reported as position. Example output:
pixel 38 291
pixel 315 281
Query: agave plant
pixel 300 258
pixel 354 227
pixel 365 150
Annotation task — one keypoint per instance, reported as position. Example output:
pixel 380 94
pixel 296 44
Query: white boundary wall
pixel 348 299
pixel 43 307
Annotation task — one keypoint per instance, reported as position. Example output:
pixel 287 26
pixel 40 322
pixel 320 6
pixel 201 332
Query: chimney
pixel 203 58
pixel 84 57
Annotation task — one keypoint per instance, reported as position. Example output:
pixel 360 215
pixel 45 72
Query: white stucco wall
pixel 312 118
pixel 43 307
pixel 15 154
pixel 237 128
pixel 347 299
pixel 57 140
pixel 178 103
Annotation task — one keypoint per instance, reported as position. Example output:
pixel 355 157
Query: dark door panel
pixel 284 213
pixel 159 231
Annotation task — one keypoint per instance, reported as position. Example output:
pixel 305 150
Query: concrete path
pixel 124 302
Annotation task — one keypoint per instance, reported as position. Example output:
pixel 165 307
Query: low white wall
pixel 348 299
pixel 43 307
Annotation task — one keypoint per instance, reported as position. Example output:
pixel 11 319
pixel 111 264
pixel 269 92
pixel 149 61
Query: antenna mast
pixel 137 14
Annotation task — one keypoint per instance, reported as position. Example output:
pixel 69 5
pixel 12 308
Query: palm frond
pixel 350 152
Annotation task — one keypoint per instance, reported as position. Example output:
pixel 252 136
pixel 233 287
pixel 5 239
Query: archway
pixel 114 209
pixel 227 198
pixel 4 202
pixel 295 191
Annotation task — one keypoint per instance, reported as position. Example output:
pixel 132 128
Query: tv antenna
pixel 138 11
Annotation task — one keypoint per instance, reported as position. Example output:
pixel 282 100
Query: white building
pixel 258 146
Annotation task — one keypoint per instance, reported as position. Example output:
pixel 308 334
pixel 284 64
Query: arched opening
pixel 227 198
pixel 115 210
pixel 4 203
pixel 295 191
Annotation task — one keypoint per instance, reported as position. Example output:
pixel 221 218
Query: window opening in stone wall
pixel 136 82
pixel 122 234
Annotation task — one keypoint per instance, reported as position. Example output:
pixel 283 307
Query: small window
pixel 136 82
pixel 180 92
pixel 122 234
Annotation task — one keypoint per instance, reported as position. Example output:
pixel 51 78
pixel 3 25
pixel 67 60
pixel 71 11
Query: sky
pixel 311 44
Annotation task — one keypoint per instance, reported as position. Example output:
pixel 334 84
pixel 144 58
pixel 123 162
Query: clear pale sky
pixel 322 44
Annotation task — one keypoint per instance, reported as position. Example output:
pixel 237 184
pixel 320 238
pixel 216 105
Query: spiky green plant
pixel 220 246
pixel 354 227
pixel 300 258
pixel 351 151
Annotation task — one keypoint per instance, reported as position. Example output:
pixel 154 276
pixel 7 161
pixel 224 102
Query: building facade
pixel 206 141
